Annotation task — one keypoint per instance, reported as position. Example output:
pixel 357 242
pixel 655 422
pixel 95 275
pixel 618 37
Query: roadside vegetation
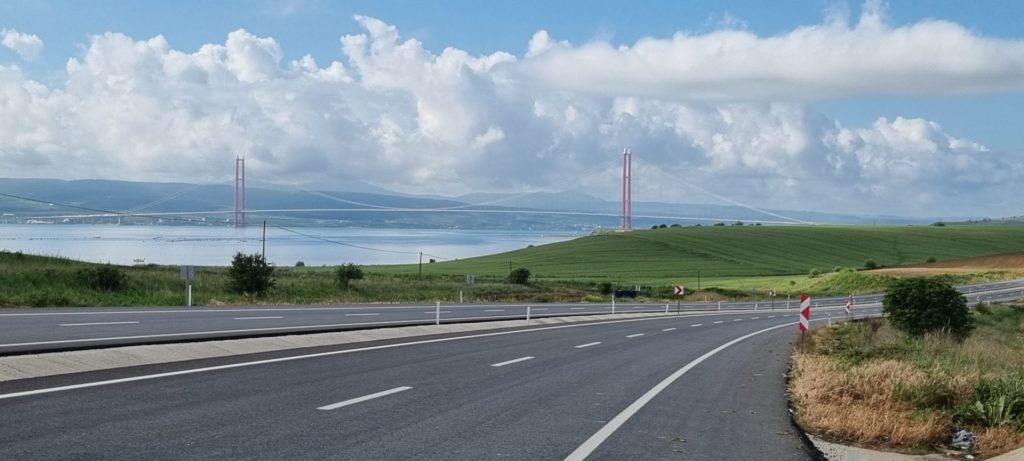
pixel 725 262
pixel 869 383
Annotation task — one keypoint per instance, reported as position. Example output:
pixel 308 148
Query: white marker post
pixel 719 306
pixel 666 309
pixel 437 314
pixel 613 304
pixel 186 275
pixel 527 314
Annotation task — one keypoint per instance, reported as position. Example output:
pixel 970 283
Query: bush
pixel 930 260
pixel 870 264
pixel 921 305
pixel 605 288
pixel 519 276
pixel 103 278
pixel 814 273
pixel 250 274
pixel 300 264
pixel 347 273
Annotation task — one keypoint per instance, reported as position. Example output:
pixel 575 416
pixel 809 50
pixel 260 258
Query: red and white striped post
pixel 805 316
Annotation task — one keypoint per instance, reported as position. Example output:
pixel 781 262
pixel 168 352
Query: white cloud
pixel 28 46
pixel 832 59
pixel 403 117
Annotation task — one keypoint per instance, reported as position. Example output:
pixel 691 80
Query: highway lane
pixel 533 393
pixel 48 329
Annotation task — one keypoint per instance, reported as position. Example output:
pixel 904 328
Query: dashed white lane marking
pixel 668 329
pixel 260 318
pixel 754 318
pixel 720 321
pixel 364 398
pixel 95 323
pixel 494 310
pixel 581 346
pixel 771 316
pixel 363 314
pixel 696 324
pixel 577 308
pixel 634 336
pixel 509 362
pixel 540 308
pixel 608 429
pixel 434 312
pixel 736 320
pixel 638 307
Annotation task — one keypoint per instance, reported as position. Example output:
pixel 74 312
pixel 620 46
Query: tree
pixel 250 274
pixel 347 273
pixel 870 264
pixel 605 288
pixel 519 276
pixel 921 305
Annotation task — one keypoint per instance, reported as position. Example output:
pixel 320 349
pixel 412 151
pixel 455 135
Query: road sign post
pixel 186 274
pixel 680 292
pixel 771 294
pixel 805 316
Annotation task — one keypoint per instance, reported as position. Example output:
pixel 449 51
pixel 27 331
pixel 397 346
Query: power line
pixel 361 247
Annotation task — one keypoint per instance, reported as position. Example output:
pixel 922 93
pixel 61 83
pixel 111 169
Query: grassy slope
pixel 663 255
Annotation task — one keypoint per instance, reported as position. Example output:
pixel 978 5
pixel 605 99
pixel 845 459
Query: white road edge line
pixel 581 346
pixel 364 314
pixel 668 329
pixel 364 398
pixel 260 318
pixel 634 336
pixel 509 362
pixel 494 310
pixel 601 435
pixel 95 323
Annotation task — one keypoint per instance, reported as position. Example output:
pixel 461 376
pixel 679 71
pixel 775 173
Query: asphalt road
pixel 673 387
pixel 50 329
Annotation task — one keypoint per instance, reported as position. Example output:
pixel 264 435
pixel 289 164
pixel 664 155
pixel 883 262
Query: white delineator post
pixel 613 304
pixel 527 314
pixel 437 314
pixel 805 316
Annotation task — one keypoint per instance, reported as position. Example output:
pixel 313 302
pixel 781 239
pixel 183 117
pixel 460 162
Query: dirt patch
pixel 1008 262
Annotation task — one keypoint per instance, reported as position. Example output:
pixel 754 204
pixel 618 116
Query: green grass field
pixel 734 262
pixel 665 256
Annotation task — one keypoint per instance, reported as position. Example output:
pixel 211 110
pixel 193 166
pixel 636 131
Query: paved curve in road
pixel 667 387
pixel 49 329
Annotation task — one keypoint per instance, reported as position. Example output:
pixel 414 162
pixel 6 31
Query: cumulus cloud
pixel 401 116
pixel 29 46
pixel 832 59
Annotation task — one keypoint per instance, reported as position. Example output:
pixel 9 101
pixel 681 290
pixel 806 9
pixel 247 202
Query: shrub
pixel 300 264
pixel 520 276
pixel 870 264
pixel 921 305
pixel 814 273
pixel 605 288
pixel 347 273
pixel 930 260
pixel 103 278
pixel 250 274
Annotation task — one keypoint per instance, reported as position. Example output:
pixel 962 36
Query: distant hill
pixel 63 201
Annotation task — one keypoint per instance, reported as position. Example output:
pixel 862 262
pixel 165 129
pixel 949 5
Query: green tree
pixel 605 288
pixel 347 273
pixel 921 305
pixel 520 276
pixel 250 274
pixel 870 264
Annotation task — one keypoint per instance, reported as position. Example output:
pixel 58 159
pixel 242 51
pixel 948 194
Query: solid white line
pixel 303 357
pixel 577 308
pixel 540 308
pixel 509 362
pixel 364 398
pixel 634 336
pixel 362 314
pixel 668 329
pixel 494 310
pixel 259 318
pixel 581 346
pixel 720 321
pixel 601 435
pixel 95 323
pixel 696 325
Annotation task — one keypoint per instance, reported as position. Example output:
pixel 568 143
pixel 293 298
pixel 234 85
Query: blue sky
pixel 395 120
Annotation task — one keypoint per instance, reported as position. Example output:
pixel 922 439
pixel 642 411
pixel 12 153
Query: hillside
pixel 740 251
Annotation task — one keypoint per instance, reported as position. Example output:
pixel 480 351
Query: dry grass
pixel 869 385
pixel 860 405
